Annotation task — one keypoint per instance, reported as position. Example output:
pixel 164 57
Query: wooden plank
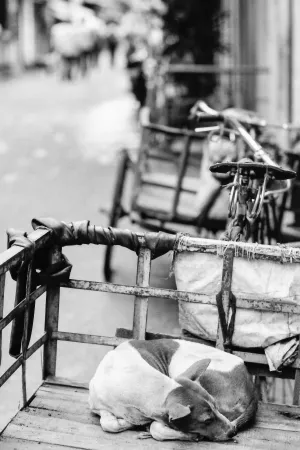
pixel 86 338
pixel 51 380
pixel 73 424
pixel 88 436
pixel 72 405
pixel 12 256
pixel 63 404
pixel 56 384
pixel 171 294
pixel 79 435
pixel 287 409
pixel 62 392
pixel 11 443
pixel 141 303
pixel 51 320
pixel 2 288
pixel 85 416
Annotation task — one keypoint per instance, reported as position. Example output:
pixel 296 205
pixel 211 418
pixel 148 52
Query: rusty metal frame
pixel 8 260
pixel 142 292
pixel 142 179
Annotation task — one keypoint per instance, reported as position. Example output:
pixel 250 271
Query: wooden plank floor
pixel 59 418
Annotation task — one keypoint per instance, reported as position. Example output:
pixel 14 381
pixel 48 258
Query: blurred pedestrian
pixel 136 56
pixel 112 40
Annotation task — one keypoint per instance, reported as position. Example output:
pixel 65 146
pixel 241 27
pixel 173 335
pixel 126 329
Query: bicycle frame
pixel 245 193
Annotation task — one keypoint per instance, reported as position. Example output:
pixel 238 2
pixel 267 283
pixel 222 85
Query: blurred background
pixel 75 79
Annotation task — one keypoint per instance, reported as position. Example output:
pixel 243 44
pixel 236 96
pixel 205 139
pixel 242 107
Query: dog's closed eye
pixel 208 420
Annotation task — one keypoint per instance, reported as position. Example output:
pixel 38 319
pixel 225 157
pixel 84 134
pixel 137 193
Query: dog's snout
pixel 232 432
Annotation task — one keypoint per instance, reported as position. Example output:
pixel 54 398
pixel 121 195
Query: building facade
pixel 263 34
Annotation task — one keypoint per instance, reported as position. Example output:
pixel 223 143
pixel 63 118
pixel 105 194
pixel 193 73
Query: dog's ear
pixel 178 412
pixel 195 371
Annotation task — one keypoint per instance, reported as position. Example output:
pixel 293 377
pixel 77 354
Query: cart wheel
pixel 117 211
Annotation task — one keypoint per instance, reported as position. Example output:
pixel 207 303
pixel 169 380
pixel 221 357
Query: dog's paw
pixel 197 438
pixel 144 435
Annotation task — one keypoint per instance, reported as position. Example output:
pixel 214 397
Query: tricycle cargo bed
pixel 58 417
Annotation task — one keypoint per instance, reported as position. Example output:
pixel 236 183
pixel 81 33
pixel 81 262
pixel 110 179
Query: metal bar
pixel 51 320
pixel 290 61
pixel 164 185
pixel 11 370
pixel 255 358
pixel 171 131
pixel 18 309
pixel 210 69
pixel 242 249
pixel 296 395
pixel 249 357
pixel 25 332
pixel 12 256
pixel 141 302
pixel 34 347
pixel 182 170
pixel 138 172
pixel 127 334
pixel 225 296
pixel 2 288
pixel 87 338
pixel 190 297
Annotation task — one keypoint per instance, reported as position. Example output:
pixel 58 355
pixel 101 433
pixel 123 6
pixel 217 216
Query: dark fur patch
pixel 157 352
pixel 232 390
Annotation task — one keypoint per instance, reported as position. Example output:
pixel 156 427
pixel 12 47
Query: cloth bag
pixel 252 279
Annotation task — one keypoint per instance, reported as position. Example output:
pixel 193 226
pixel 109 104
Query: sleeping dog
pixel 185 390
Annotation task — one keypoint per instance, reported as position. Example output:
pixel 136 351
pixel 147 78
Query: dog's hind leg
pixel 112 424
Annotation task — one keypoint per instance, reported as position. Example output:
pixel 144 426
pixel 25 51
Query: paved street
pixel 58 147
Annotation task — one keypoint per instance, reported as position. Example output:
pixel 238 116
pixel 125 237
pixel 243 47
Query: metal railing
pixel 142 292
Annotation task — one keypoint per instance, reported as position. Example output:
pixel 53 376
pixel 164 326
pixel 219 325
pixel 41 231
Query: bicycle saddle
pixel 257 170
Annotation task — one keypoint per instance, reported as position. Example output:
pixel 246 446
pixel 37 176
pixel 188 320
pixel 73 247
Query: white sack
pixel 282 353
pixel 252 279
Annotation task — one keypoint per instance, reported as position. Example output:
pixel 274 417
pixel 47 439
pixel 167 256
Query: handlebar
pixel 241 130
pixel 245 117
pixel 208 114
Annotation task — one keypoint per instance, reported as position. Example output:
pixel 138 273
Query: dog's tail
pixel 248 415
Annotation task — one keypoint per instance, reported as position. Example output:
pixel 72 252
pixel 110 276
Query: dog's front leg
pixel 112 424
pixel 162 432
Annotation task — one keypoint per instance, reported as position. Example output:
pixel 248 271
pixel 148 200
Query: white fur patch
pixel 190 352
pixel 127 386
